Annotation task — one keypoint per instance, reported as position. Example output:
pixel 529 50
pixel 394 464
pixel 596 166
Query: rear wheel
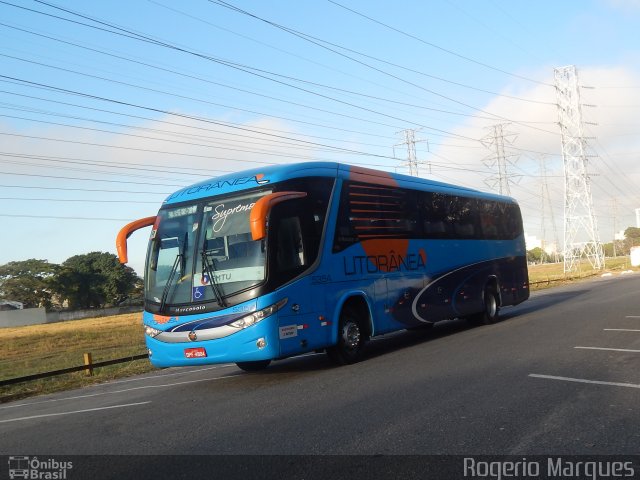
pixel 351 339
pixel 490 314
pixel 254 366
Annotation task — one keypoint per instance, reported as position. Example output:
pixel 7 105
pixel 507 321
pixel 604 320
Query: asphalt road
pixel 559 375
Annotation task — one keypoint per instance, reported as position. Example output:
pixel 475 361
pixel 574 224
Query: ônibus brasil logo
pixel 35 468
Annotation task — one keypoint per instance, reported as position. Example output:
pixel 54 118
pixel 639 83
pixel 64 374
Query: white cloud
pixel 616 171
pixel 142 169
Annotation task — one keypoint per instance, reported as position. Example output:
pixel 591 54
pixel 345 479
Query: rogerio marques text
pixel 550 467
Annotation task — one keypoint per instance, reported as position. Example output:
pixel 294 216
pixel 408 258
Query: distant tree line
pixel 92 280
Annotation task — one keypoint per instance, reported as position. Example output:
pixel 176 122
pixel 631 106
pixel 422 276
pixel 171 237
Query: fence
pixel 87 367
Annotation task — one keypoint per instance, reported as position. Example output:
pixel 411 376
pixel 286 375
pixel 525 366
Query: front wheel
pixel 491 312
pixel 351 340
pixel 253 366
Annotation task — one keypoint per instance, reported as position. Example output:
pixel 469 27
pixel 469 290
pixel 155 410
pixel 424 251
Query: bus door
pixel 293 248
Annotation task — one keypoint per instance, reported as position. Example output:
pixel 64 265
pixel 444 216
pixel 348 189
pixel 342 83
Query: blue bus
pixel 266 264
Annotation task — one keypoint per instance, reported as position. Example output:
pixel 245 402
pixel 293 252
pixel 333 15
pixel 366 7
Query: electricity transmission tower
pixel 581 237
pixel 547 206
pixel 499 160
pixel 412 158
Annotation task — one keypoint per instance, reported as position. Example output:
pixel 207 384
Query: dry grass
pixel 43 348
pixel 552 274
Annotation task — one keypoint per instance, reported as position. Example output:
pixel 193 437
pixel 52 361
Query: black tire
pixel 351 339
pixel 491 312
pixel 253 366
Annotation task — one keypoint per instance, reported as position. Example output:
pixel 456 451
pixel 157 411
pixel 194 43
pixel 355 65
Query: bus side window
pixel 289 251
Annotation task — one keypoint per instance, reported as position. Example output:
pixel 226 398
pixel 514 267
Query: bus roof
pixel 243 180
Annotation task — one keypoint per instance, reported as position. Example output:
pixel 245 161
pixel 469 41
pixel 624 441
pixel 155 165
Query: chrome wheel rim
pixel 351 335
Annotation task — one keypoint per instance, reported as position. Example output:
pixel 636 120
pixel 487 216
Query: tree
pixel 535 255
pixel 94 280
pixel 609 250
pixel 28 282
pixel 633 234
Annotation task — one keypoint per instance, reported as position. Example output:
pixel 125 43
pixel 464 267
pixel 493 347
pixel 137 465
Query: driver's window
pixel 290 252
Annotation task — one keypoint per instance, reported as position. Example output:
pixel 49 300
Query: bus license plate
pixel 195 352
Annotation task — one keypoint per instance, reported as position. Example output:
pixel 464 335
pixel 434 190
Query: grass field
pixel 43 348
pixel 552 274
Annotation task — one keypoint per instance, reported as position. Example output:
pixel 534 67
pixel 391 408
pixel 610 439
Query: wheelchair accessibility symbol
pixel 197 293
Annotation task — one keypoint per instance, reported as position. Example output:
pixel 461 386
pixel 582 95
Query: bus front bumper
pixel 257 342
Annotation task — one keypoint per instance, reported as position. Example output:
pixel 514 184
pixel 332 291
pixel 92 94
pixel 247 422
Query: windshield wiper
pixel 165 293
pixel 209 269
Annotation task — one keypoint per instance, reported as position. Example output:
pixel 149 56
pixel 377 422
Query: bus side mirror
pixel 126 231
pixel 260 211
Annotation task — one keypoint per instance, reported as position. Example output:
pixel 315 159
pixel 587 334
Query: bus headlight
pixel 255 317
pixel 152 332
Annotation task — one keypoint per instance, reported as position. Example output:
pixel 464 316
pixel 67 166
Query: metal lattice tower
pixel 412 158
pixel 581 237
pixel 499 160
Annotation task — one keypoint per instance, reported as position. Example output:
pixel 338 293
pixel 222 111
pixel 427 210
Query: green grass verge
pixel 552 274
pixel 44 348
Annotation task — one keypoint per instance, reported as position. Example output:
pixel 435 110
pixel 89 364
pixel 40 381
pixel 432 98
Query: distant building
pixel 10 305
pixel 635 256
pixel 619 236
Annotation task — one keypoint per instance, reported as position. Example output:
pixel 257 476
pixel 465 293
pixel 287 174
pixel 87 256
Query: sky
pixel 108 107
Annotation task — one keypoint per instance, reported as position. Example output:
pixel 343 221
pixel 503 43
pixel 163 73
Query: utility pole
pixel 581 237
pixel 412 158
pixel 499 160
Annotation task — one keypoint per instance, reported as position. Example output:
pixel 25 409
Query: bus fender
pixel 342 301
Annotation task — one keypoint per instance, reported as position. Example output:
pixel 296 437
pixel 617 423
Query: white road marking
pixel 632 316
pixel 620 330
pixel 162 375
pixel 609 349
pixel 582 380
pixel 89 395
pixel 73 412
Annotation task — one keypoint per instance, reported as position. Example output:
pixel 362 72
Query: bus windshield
pixel 204 252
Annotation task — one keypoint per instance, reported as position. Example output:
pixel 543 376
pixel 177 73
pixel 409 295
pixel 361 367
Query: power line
pixel 191 117
pixel 446 50
pixel 31 187
pixel 435 77
pixel 54 217
pixel 87 179
pixel 251 70
pixel 208 129
pixel 74 200
pixel 322 44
